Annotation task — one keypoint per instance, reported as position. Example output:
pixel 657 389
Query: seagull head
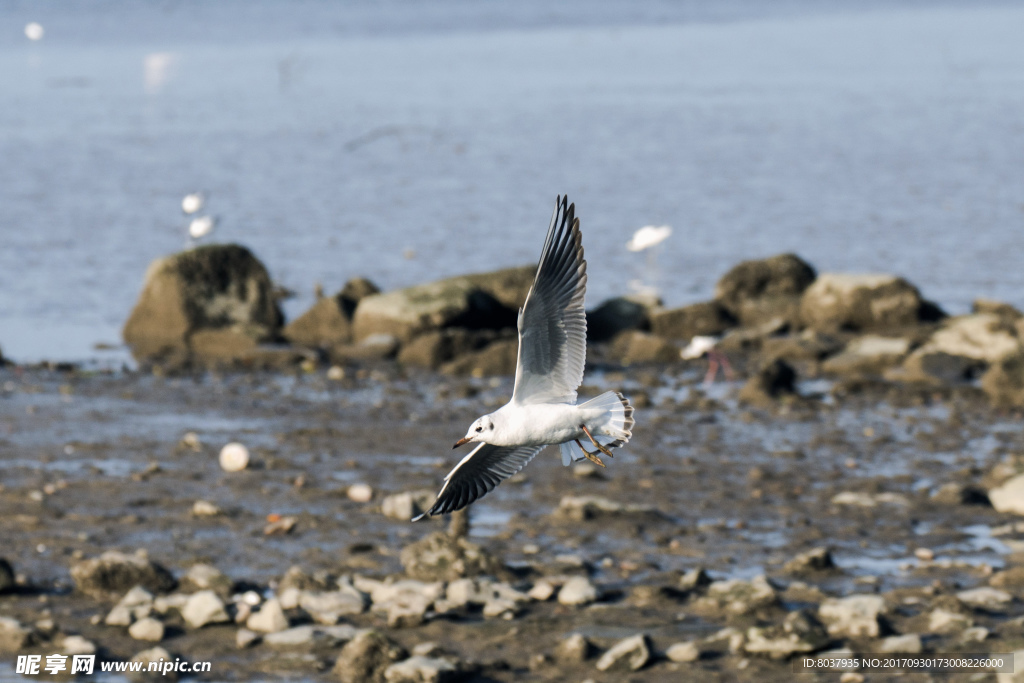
pixel 480 431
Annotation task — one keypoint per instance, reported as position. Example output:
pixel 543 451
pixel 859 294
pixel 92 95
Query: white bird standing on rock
pixel 201 226
pixel 703 345
pixel 192 203
pixel 543 410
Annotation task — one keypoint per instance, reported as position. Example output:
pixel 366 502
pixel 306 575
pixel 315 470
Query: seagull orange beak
pixel 461 441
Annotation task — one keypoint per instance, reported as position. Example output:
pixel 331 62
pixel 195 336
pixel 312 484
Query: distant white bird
pixel 648 236
pixel 192 203
pixel 201 226
pixel 543 410
pixel 701 346
pixel 34 31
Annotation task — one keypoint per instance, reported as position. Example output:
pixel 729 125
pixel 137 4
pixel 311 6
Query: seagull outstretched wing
pixel 552 322
pixel 477 473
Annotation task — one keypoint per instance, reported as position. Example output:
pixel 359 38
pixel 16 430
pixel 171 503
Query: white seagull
pixel 201 227
pixel 543 410
pixel 649 236
pixel 192 203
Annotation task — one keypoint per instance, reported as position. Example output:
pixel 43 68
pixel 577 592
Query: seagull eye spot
pixel 479 429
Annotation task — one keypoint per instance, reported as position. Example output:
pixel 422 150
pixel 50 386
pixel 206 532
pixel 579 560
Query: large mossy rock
pixel 475 302
pixel 756 292
pixel 221 292
pixel 329 321
pixel 617 315
pixel 861 302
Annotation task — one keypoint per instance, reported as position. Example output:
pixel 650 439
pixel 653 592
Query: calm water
pixel 409 141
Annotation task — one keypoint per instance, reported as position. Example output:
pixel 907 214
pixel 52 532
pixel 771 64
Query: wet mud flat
pixel 740 532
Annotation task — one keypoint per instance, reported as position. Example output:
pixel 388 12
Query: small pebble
pixel 234 457
pixel 360 493
pixel 336 373
pixel 924 554
pixel 204 508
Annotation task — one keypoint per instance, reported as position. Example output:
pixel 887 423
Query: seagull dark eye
pixel 479 429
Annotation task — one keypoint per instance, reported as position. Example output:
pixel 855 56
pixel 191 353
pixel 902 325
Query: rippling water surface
pixel 409 141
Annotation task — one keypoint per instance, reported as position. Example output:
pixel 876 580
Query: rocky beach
pixel 854 487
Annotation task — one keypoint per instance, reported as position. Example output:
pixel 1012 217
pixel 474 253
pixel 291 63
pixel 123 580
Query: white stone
pixel 853 616
pixel 419 669
pixel 975 634
pixel 204 508
pixel 943 621
pixel 687 651
pixel 1010 496
pixel 854 498
pixel 329 607
pixel 244 638
pixel 406 505
pixel 77 645
pixel 981 336
pixel 633 650
pixel 234 457
pixel 147 629
pixel 270 618
pixel 542 591
pixel 204 608
pixel 578 591
pixel 500 607
pixel 909 643
pixel 360 493
pixel 985 597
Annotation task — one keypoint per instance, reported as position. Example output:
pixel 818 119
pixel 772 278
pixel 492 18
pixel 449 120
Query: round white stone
pixel 234 457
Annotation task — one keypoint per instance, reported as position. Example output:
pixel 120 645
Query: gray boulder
pixel 755 292
pixel 113 573
pixel 800 632
pixel 854 616
pixel 440 557
pixel 420 669
pixel 860 302
pixel 629 654
pixel 705 318
pixel 365 658
pixel 220 289
pixel 480 301
pixel 329 320
pixel 437 347
pixel 869 354
pixel 614 316
pixel 772 382
pixel 1003 382
pixel 962 347
pixel 634 346
pixel 496 359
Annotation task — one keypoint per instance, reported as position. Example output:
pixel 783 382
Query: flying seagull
pixel 543 410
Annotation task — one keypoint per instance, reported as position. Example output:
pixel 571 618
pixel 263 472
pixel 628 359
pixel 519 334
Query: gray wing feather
pixel 477 474
pixel 552 322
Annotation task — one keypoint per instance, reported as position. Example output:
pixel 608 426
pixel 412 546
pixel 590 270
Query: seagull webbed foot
pixel 599 447
pixel 592 457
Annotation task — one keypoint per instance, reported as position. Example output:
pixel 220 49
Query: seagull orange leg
pixel 594 441
pixel 592 457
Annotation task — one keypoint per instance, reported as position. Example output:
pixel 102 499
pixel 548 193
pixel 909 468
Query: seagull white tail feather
pixel 616 428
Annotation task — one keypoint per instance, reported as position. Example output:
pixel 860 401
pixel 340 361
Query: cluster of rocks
pixel 216 304
pixel 357 621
